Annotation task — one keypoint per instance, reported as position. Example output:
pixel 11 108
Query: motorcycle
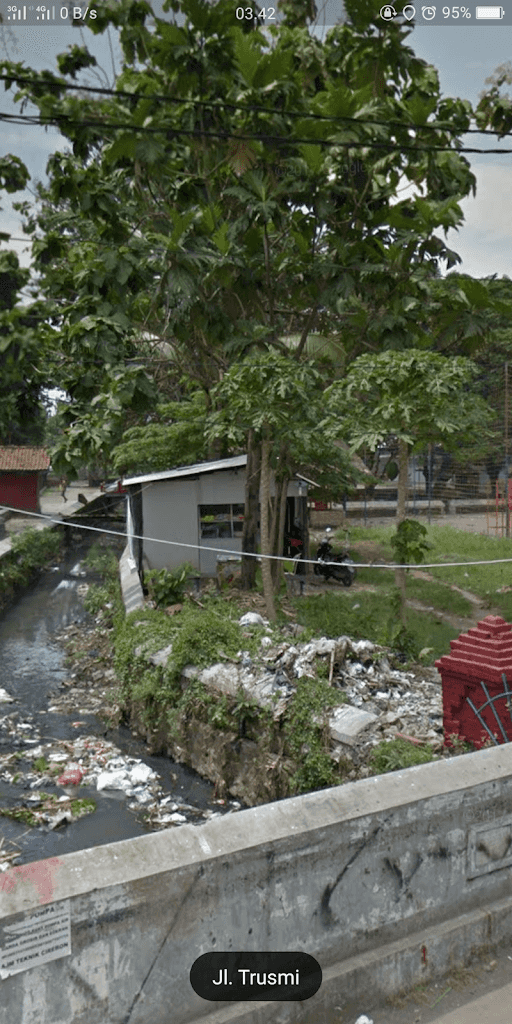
pixel 333 566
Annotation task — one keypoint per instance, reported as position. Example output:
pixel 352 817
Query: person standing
pixel 63 486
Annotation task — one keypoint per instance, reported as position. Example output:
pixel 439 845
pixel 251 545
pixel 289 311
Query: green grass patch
pixel 22 814
pixel 392 755
pixel 307 735
pixel 451 545
pixel 82 806
pixel 377 534
pixel 438 596
pixel 448 545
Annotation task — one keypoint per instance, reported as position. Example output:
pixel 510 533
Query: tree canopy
pixel 237 188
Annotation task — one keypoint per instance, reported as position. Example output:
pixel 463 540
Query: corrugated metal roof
pixel 235 462
pixel 23 459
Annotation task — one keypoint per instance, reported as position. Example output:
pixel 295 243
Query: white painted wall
pixel 170 513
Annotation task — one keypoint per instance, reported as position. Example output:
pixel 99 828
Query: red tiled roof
pixel 14 458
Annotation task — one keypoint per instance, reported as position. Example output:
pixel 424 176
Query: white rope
pixel 251 554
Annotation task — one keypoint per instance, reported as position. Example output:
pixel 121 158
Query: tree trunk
pixel 403 470
pixel 266 573
pixel 278 531
pixel 252 494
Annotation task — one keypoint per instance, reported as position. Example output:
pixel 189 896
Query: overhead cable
pixel 212 105
pixel 249 554
pixel 59 119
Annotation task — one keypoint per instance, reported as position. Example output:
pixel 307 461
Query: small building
pixel 22 473
pixel 183 512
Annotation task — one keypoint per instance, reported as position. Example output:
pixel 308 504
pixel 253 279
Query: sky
pixel 464 56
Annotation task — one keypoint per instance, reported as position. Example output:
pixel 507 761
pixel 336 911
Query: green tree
pixel 22 348
pixel 174 436
pixel 224 225
pixel 416 397
pixel 282 404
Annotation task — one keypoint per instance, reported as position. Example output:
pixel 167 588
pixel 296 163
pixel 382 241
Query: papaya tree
pixel 416 397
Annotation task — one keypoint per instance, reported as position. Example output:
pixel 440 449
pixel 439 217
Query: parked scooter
pixel 333 566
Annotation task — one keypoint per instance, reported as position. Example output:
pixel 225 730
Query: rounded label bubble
pixel 255 976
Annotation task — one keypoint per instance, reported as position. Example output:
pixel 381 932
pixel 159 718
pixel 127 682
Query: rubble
pixel 8 858
pixel 377 702
pixel 381 701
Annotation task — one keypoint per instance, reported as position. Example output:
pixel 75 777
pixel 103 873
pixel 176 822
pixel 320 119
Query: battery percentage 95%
pixel 456 12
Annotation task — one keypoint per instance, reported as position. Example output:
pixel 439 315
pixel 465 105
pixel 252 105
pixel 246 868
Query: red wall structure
pixel 482 654
pixel 19 490
pixel 21 470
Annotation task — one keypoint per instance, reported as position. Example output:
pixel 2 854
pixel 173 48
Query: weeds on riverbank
pixel 30 552
pixel 292 755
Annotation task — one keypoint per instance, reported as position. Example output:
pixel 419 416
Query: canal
pixel 33 680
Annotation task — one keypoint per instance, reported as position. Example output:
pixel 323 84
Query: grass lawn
pixel 448 545
pixel 370 614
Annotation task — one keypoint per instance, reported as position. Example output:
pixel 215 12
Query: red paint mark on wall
pixel 41 875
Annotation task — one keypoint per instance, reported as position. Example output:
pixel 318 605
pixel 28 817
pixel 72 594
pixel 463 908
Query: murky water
pixel 31 671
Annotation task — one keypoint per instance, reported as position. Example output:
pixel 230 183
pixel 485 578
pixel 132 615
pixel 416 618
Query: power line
pixel 266 138
pixel 211 105
pixel 250 554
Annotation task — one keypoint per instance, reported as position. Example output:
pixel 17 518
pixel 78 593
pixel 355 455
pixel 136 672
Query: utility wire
pixel 211 105
pixel 249 554
pixel 59 119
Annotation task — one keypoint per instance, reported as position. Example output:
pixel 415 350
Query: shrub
pixel 204 636
pixel 167 586
pixel 30 551
pixel 308 734
pixel 392 755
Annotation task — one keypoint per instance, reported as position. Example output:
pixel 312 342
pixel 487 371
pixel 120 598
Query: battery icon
pixel 490 12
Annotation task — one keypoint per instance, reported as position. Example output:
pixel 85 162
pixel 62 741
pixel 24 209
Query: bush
pixel 308 735
pixel 166 586
pixel 97 598
pixel 30 551
pixel 392 755
pixel 204 636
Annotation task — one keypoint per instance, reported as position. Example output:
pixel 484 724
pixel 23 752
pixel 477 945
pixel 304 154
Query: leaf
pixel 123 147
pixel 148 150
pixel 221 240
pixel 248 55
pixel 241 156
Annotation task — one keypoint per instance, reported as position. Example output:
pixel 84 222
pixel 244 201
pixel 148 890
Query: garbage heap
pixel 380 702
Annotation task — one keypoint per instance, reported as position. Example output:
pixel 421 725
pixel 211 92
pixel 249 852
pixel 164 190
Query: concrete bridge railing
pixel 385 881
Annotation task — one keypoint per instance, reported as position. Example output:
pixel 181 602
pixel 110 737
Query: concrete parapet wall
pixel 382 880
pixel 320 518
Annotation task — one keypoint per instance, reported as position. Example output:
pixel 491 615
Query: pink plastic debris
pixel 71 777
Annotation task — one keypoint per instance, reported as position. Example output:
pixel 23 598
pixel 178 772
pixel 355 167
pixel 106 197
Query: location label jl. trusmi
pixel 248 977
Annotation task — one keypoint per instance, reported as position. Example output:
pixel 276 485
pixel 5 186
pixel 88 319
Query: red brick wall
pixel 19 490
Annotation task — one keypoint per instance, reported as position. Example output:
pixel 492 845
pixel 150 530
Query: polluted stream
pixel 56 765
